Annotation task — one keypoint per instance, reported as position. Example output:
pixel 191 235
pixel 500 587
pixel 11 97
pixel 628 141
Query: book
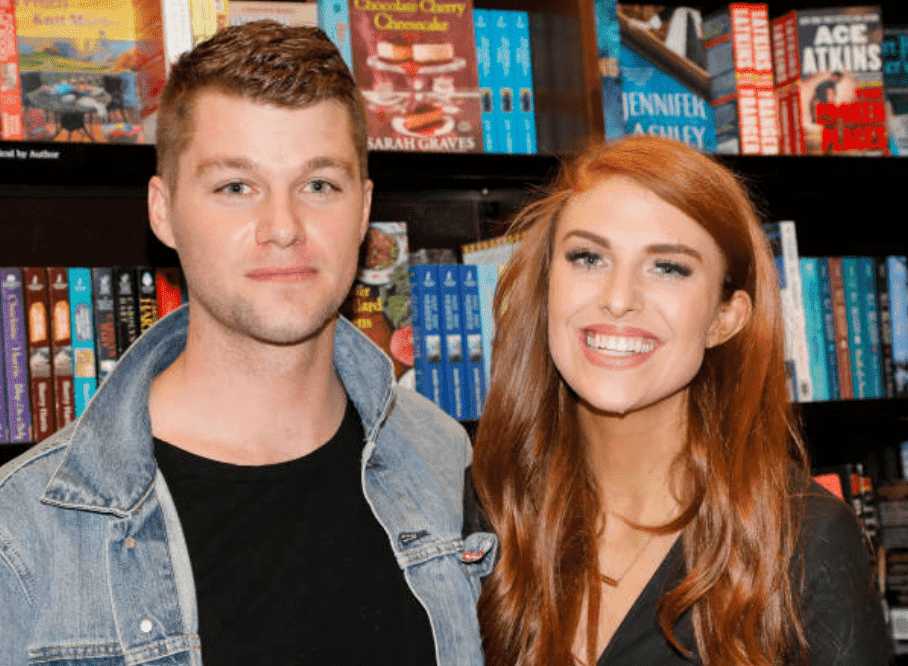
pixel 495 250
pixel 871 325
pixel 82 328
pixel 102 286
pixel 15 352
pixel 287 13
pixel 381 305
pixel 471 316
pixel 482 32
pixel 416 66
pixel 204 21
pixel 453 357
pixel 146 287
pixel 608 47
pixel 834 81
pixel 427 333
pixel 126 307
pixel 334 19
pixel 857 339
pixel 176 18
pixel 814 327
pixel 739 62
pixel 487 277
pixel 898 306
pixel 887 367
pixel 40 368
pixel 11 122
pixel 61 349
pixel 829 330
pixel 503 79
pixel 895 86
pixel 168 286
pixel 91 71
pixel 545 82
pixel 4 418
pixel 522 71
pixel 840 317
pixel 665 83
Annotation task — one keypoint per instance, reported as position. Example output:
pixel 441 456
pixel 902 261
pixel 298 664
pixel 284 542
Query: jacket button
pixel 129 542
pixel 145 626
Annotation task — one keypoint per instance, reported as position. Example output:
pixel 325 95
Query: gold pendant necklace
pixel 613 582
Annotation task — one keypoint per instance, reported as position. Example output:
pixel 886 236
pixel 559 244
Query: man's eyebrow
pixel 655 248
pixel 244 164
pixel 326 162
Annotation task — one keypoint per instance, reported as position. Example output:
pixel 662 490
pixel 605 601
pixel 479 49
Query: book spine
pixel 522 71
pixel 105 327
pixel 772 230
pixel 126 307
pixel 334 19
pixel 41 381
pixel 452 340
pixel 427 333
pixel 851 273
pixel 169 291
pixel 832 360
pixel 767 111
pixel 502 78
pixel 792 267
pixel 4 417
pixel 886 368
pixel 487 276
pixel 814 327
pixel 840 316
pixel 177 20
pixel 608 45
pixel 898 307
pixel 61 346
pixel 85 371
pixel 16 356
pixel 482 33
pixel 472 335
pixel 871 326
pixel 541 53
pixel 11 122
pixel 148 297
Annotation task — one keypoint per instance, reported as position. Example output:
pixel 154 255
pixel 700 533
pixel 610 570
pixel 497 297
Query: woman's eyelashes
pixel 586 258
pixel 670 268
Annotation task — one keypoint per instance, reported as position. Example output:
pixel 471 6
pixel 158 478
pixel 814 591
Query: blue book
pixel 895 87
pixel 452 340
pixel 502 80
pixel 427 345
pixel 487 276
pixel 82 329
pixel 14 348
pixel 608 44
pixel 814 327
pixel 898 310
pixel 882 297
pixel 522 71
pixel 472 335
pixel 483 34
pixel 871 322
pixel 334 19
pixel 857 341
pixel 832 357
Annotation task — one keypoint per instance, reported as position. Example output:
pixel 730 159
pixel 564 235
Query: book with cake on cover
pixel 416 65
pixel 10 95
pixel 665 83
pixel 380 303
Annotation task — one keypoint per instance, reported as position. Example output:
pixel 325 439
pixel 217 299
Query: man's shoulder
pixel 24 478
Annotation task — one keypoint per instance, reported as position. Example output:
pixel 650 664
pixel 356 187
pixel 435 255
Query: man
pixel 249 486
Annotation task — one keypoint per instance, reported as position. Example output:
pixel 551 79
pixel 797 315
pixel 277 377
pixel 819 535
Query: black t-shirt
pixel 290 565
pixel 842 612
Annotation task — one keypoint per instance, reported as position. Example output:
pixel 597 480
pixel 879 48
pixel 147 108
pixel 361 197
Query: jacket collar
pixel 109 466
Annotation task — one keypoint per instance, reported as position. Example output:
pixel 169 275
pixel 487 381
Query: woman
pixel 637 455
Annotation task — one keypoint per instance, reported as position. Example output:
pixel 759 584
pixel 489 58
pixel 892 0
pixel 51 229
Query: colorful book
pixel 496 250
pixel 871 324
pixel 483 31
pixel 887 367
pixel 453 357
pixel 840 317
pixel 664 76
pixel 61 346
pixel 471 312
pixel 503 80
pixel 608 47
pixel 15 352
pixel 4 417
pixel 82 327
pixel 287 13
pixel 381 305
pixel 103 309
pixel 898 308
pixel 40 368
pixel 487 276
pixel 168 286
pixel 177 28
pixel 831 353
pixel 857 340
pixel 427 333
pixel 895 87
pixel 148 297
pixel 417 71
pixel 126 307
pixel 814 327
pixel 11 122
pixel 522 71
pixel 334 19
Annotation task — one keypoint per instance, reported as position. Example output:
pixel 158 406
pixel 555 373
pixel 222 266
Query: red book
pixel 840 317
pixel 170 292
pixel 10 93
pixel 61 346
pixel 41 380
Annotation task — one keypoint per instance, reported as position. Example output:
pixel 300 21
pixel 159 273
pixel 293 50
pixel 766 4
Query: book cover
pixel 524 106
pixel 840 317
pixel 452 340
pixel 487 277
pixel 176 19
pixel 91 71
pixel 503 79
pixel 871 324
pixel 287 13
pixel 895 87
pixel 82 327
pixel 831 353
pixel 40 369
pixel 496 250
pixel 102 287
pixel 814 327
pixel 61 349
pixel 665 83
pixel 334 19
pixel 381 305
pixel 882 295
pixel 472 340
pixel 126 307
pixel 608 48
pixel 168 285
pixel 857 341
pixel 898 306
pixel 15 352
pixel 10 94
pixel 739 62
pixel 427 333
pixel 416 66
pixel 483 36
pixel 837 81
pixel 148 297
pixel 204 22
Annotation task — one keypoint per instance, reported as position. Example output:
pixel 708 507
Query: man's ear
pixel 731 317
pixel 159 211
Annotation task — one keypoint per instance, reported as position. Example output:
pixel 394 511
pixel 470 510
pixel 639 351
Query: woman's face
pixel 634 298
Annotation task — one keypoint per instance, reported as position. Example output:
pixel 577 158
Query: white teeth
pixel 619 345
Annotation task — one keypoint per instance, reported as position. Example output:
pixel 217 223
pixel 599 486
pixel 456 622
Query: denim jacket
pixel 94 568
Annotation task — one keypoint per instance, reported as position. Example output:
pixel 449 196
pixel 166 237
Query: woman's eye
pixel 672 269
pixel 584 258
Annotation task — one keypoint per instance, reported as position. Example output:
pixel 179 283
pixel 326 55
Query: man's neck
pixel 246 402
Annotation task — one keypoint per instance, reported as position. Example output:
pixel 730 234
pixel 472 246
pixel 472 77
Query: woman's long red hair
pixel 744 467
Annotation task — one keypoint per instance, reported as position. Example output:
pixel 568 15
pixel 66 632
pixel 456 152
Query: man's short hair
pixel 264 61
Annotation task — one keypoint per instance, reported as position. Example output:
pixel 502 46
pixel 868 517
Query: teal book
pixel 857 341
pixel 814 327
pixel 871 321
pixel 82 328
